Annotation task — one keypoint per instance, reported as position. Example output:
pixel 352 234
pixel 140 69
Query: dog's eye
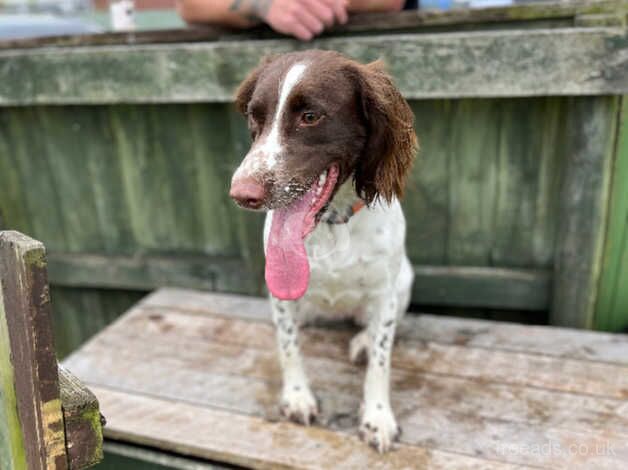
pixel 309 118
pixel 255 115
pixel 253 127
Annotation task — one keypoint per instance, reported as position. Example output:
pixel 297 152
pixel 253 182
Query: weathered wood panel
pixel 12 453
pixel 48 419
pixel 82 422
pixel 612 306
pixel 513 402
pixel 587 61
pixel 243 440
pixel 523 289
pixel 78 314
pixel 129 193
pixel 555 342
pixel 484 193
pixel 590 138
pixel 484 190
pixel 122 179
pixel 150 272
pixel 248 381
pixel 33 433
pixel 225 354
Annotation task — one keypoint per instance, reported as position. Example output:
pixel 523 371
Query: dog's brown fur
pixel 370 132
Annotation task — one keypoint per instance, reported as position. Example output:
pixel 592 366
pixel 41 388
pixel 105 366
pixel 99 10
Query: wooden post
pixel 583 210
pixel 34 425
pixel 83 422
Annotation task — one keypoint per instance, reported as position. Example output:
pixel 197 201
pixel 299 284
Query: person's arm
pixel 303 19
pixel 223 12
pixel 374 5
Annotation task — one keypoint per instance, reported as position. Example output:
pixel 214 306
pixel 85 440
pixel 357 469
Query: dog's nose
pixel 247 192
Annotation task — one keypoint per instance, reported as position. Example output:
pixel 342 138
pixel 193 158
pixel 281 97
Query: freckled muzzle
pixel 256 185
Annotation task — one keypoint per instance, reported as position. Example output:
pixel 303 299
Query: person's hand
pixel 303 19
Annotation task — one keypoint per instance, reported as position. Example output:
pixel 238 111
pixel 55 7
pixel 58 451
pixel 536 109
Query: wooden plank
pixel 590 64
pixel 152 271
pixel 145 138
pixel 12 191
pixel 526 168
pixel 212 133
pixel 61 160
pixel 471 198
pixel 230 382
pixel 338 387
pixel 41 214
pixel 550 155
pixel 141 141
pixel 128 189
pixel 601 19
pixel 12 454
pixel 487 365
pixel 239 374
pixel 611 312
pixel 31 382
pixel 590 136
pixel 254 442
pixel 484 194
pixel 153 36
pixel 523 289
pixel 554 342
pixel 101 171
pixel 434 285
pixel 439 423
pixel 372 22
pixel 123 191
pixel 82 422
pixel 427 188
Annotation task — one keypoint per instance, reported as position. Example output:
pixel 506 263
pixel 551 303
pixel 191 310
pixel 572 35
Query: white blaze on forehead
pixel 272 145
pixel 264 154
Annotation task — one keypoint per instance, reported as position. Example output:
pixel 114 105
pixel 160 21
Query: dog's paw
pixel 378 428
pixel 359 348
pixel 298 404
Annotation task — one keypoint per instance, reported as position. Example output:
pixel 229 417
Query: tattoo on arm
pixel 257 9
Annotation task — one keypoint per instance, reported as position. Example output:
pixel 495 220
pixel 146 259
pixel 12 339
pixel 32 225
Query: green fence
pixel 118 157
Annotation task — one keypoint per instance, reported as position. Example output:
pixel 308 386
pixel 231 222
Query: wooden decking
pixel 196 374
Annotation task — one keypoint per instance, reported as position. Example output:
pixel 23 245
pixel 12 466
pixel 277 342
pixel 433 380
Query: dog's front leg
pixel 378 426
pixel 297 401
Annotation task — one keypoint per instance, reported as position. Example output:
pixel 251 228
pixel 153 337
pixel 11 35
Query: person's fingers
pixel 307 19
pixel 300 32
pixel 339 8
pixel 283 19
pixel 321 10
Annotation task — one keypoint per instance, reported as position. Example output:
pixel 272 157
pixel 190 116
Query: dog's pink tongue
pixel 287 266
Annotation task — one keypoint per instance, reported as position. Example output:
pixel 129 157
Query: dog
pixel 332 144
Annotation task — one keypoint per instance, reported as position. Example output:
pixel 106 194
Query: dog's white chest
pixel 354 262
pixel 346 266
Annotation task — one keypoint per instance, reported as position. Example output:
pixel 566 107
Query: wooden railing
pixel 48 419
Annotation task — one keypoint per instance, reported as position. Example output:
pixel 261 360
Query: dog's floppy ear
pixel 245 90
pixel 391 142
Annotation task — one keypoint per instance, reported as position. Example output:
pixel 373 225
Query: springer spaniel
pixel 333 141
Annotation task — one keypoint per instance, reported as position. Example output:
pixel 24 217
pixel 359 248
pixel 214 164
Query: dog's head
pixel 316 119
